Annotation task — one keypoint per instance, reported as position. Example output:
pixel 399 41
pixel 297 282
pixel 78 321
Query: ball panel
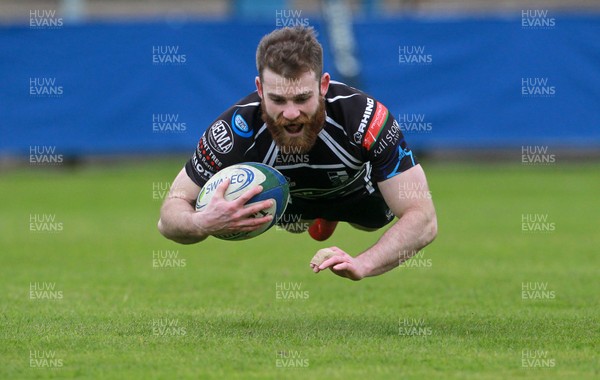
pixel 281 201
pixel 271 171
pixel 239 179
pixel 244 177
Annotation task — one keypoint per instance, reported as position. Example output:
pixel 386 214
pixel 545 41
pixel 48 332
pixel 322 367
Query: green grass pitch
pixel 86 290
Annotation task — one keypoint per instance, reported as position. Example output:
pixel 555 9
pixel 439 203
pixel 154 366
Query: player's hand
pixel 221 216
pixel 342 264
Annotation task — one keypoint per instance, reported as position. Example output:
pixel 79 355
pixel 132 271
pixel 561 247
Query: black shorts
pixel 369 211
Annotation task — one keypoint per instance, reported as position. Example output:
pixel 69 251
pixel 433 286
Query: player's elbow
pixel 177 236
pixel 430 229
pixel 168 233
pixel 164 231
pixel 161 228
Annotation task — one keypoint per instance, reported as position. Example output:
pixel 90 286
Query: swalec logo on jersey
pixel 240 126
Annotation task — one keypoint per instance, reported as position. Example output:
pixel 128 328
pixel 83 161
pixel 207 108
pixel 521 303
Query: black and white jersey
pixel 361 144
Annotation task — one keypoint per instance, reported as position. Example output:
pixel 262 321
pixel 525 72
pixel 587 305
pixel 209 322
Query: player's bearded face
pixel 308 125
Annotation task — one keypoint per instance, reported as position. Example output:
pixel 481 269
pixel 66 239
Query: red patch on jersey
pixel 379 119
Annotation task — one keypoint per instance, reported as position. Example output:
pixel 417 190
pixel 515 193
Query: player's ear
pixel 325 78
pixel 258 86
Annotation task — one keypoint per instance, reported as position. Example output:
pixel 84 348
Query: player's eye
pixel 278 101
pixel 301 100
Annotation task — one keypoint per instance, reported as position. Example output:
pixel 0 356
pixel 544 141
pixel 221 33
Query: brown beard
pixel 310 130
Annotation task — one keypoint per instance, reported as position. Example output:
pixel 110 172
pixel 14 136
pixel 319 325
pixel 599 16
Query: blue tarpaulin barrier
pixel 144 87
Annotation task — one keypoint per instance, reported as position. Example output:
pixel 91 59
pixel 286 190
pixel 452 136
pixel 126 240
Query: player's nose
pixel 291 112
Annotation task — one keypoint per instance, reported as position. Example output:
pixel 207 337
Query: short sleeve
pixel 219 147
pixel 386 146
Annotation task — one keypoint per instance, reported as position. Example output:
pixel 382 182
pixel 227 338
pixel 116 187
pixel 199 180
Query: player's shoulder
pixel 341 95
pixel 233 131
pixel 354 109
pixel 243 117
pixel 344 103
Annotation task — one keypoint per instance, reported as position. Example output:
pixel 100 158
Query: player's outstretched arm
pixel 180 222
pixel 408 196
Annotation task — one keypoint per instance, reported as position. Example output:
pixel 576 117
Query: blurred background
pixel 103 101
pixel 88 79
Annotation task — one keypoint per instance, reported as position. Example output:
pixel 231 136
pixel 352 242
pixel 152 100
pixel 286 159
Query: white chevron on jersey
pixel 271 155
pixel 261 130
pixel 305 165
pixel 334 123
pixel 331 100
pixel 248 104
pixel 343 155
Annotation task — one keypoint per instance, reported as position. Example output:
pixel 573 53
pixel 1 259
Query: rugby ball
pixel 244 177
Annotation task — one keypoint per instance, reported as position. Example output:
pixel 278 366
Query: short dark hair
pixel 290 52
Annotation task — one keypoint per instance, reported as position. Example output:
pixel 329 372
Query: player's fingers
pixel 244 198
pixel 254 223
pixel 331 261
pixel 256 207
pixel 342 266
pixel 221 189
pixel 315 268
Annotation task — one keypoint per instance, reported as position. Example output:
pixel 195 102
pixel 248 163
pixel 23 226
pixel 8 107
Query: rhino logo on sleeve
pixel 358 136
